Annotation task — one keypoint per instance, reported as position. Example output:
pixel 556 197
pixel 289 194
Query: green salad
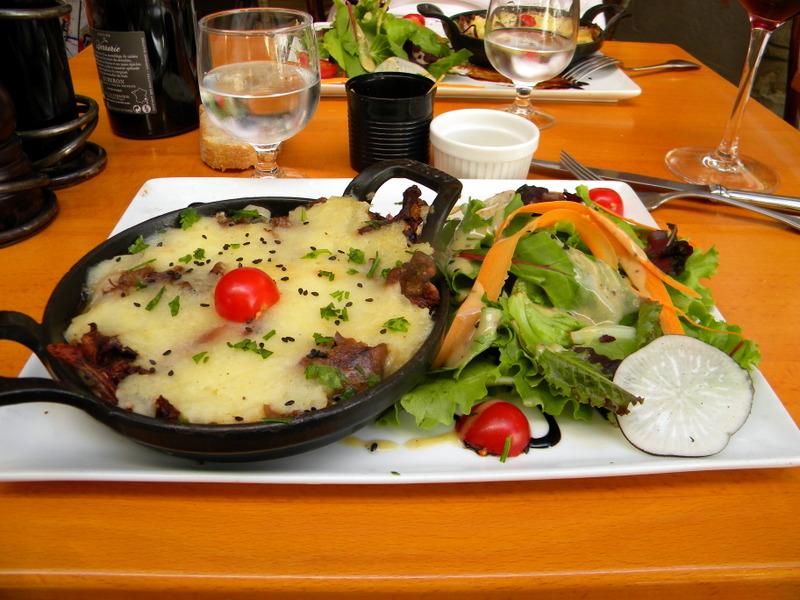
pixel 364 35
pixel 550 293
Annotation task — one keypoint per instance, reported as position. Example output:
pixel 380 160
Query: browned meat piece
pixel 415 278
pixel 165 410
pixel 101 359
pixel 410 214
pixel 147 275
pixel 360 364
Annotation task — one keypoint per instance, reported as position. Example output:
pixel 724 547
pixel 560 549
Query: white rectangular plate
pixel 606 85
pixel 44 441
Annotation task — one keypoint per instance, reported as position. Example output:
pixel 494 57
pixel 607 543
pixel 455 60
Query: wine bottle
pixel 145 54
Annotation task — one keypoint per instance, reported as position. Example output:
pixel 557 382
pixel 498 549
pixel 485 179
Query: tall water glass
pixel 259 78
pixel 724 165
pixel 530 41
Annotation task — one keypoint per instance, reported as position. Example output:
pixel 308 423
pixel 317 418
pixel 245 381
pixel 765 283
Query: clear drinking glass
pixel 530 41
pixel 724 165
pixel 259 78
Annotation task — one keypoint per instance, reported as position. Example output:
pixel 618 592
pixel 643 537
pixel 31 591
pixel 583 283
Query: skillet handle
pixel 19 327
pixel 447 188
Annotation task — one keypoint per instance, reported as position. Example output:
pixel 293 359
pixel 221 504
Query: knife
pixel 785 203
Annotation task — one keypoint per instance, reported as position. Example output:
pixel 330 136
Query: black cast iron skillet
pixel 460 40
pixel 235 442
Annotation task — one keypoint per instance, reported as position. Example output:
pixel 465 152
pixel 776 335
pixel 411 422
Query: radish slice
pixel 695 397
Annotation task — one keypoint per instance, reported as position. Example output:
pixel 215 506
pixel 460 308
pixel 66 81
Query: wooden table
pixel 731 534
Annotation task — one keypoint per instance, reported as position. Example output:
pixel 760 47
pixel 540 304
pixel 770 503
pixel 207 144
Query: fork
pixel 587 66
pixel 652 200
pixel 594 63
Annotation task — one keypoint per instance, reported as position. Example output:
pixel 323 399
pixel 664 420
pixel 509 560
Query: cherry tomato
pixel 527 20
pixel 495 427
pixel 244 294
pixel 607 198
pixel 418 19
pixel 327 69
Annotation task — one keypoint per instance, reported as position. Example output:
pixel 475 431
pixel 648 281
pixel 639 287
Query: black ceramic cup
pixel 388 117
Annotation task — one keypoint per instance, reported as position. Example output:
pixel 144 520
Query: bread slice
pixel 220 151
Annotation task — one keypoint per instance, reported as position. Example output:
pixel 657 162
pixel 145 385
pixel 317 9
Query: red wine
pixel 145 53
pixel 776 11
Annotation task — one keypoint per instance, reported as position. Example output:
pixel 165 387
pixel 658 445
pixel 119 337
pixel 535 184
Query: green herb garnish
pixel 317 253
pixel 138 246
pixel 154 302
pixel 397 324
pixel 249 345
pixel 188 217
pixel 356 256
pixel 175 306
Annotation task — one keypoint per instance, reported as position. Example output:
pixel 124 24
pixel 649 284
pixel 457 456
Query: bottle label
pixel 124 70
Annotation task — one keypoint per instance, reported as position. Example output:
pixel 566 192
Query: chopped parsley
pixel 322 340
pixel 316 253
pixel 356 256
pixel 399 324
pixel 327 375
pixel 175 306
pixel 201 357
pixel 244 214
pixel 156 299
pixel 138 246
pixel 248 345
pixel 188 217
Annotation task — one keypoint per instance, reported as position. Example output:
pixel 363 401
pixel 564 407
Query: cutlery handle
pixel 785 203
pixel 790 220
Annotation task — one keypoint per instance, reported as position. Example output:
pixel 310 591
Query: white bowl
pixel 480 143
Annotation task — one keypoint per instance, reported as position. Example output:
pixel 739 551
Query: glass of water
pixel 530 41
pixel 259 78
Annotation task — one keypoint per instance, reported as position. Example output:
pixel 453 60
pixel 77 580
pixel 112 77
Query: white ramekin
pixel 480 143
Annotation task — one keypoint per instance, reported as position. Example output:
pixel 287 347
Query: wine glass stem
pixel 266 160
pixel 728 149
pixel 522 102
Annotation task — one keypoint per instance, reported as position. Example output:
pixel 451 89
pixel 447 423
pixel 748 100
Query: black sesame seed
pixel 373 446
pixel 167 353
pixel 137 304
pixel 257 261
pixel 383 331
pixel 289 403
pixel 152 362
pixel 369 299
pixel 205 304
pixel 315 294
pixel 238 419
pixel 171 373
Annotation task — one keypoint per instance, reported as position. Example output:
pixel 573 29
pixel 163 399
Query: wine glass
pixel 530 41
pixel 724 165
pixel 259 78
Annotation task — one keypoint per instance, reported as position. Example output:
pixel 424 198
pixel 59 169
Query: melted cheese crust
pixel 190 352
